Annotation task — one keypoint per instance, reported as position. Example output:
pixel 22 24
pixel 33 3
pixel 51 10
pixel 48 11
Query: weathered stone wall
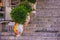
pixel 47 18
pixel 7 9
pixel 48 14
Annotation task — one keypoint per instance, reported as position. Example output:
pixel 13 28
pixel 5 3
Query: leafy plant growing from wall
pixel 20 12
pixel 26 5
pixel 31 1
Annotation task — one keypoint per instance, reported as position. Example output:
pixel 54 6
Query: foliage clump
pixel 19 14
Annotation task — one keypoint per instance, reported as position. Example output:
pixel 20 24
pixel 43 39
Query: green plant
pixel 22 0
pixel 26 5
pixel 31 1
pixel 19 14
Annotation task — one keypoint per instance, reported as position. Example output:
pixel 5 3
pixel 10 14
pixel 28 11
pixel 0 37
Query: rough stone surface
pixel 47 18
pixel 48 14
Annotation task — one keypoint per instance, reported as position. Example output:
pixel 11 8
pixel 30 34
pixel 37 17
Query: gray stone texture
pixel 47 18
pixel 48 14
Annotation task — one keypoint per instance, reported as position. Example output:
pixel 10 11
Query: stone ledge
pixel 48 31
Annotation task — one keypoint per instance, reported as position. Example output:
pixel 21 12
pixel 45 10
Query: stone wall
pixel 48 14
pixel 47 21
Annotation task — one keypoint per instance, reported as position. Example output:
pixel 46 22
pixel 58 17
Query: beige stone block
pixel 7 15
